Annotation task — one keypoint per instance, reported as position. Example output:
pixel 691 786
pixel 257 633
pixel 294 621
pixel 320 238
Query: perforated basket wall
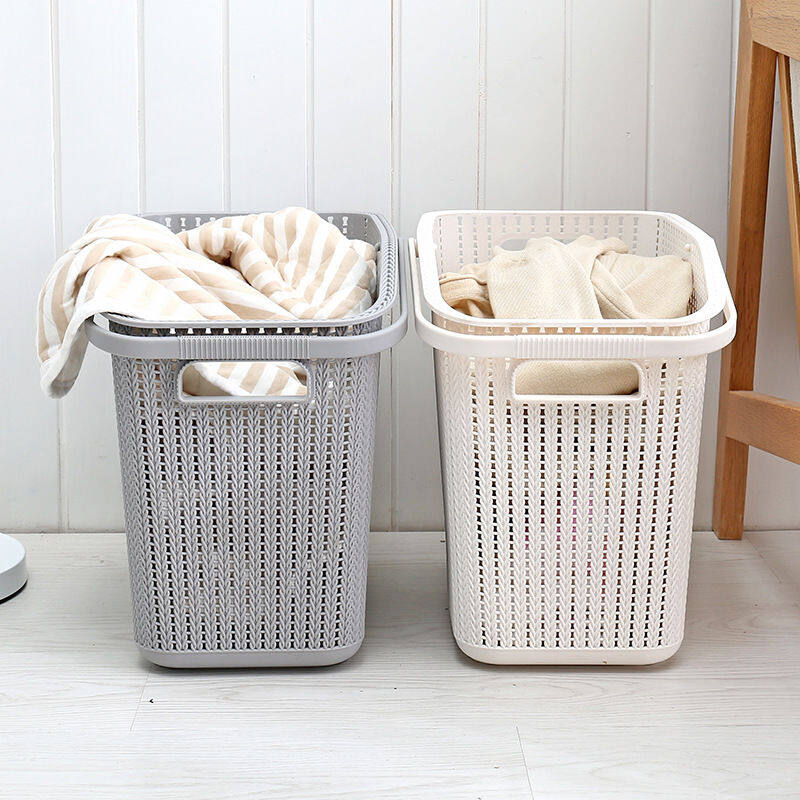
pixel 247 522
pixel 568 521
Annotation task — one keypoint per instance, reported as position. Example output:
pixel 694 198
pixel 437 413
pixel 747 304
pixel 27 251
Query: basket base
pixel 249 658
pixel 563 656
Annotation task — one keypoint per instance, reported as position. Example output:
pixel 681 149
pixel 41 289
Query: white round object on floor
pixel 12 566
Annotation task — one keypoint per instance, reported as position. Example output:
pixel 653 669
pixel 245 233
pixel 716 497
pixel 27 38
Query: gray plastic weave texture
pixel 247 522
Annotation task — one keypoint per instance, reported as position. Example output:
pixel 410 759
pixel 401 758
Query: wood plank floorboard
pixel 82 715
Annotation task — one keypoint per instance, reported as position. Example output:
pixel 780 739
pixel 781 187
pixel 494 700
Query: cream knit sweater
pixel 583 280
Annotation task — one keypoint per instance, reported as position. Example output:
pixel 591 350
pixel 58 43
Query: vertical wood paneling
pixel 402 105
pixel 524 96
pixel 352 105
pixel 99 153
pixel 438 162
pixel 28 426
pixel 183 97
pixel 690 116
pixel 267 105
pixel 606 104
pixel 352 92
pixel 689 151
pixel 438 168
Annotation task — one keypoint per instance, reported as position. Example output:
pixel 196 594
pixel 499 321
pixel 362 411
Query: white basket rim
pixel 709 256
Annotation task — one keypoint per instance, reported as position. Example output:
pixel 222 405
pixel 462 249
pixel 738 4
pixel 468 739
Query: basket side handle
pixel 564 346
pixel 238 347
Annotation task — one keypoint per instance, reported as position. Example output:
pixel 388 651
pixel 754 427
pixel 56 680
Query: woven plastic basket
pixel 568 518
pixel 247 519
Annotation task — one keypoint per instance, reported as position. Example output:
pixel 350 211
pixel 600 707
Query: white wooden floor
pixel 81 715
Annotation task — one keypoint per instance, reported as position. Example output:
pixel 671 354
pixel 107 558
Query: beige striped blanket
pixel 288 265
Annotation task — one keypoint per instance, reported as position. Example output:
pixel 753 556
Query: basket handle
pixel 228 399
pixel 564 346
pixel 632 399
pixel 239 347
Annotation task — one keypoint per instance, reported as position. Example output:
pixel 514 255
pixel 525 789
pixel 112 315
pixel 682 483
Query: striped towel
pixel 288 265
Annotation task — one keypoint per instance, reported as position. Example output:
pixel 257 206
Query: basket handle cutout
pixel 243 381
pixel 578 381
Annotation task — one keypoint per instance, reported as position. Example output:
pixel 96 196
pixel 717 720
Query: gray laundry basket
pixel 247 519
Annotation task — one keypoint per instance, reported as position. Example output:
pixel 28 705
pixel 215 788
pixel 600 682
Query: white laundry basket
pixel 568 518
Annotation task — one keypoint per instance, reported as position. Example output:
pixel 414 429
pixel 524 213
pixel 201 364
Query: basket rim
pixel 709 258
pixel 386 265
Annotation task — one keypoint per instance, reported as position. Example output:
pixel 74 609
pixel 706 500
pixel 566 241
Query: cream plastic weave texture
pixel 568 518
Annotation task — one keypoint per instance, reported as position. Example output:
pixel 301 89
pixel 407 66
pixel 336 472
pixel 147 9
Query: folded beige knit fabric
pixel 288 265
pixel 585 279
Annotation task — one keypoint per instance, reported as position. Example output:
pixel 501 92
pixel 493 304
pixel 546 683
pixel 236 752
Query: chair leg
pixel 792 174
pixel 730 480
pixel 755 89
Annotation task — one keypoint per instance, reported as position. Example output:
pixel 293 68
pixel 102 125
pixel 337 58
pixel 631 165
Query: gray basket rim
pixel 386 268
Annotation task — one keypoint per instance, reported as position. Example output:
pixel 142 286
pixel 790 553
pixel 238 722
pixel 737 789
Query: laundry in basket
pixel 288 265
pixel 583 279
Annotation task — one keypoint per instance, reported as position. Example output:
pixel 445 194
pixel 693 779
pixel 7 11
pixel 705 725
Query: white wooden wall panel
pixel 267 115
pixel 606 104
pixel 438 56
pixel 399 106
pixel 438 168
pixel 352 124
pixel 183 105
pixel 690 118
pixel 99 157
pixel 524 64
pixel 688 154
pixel 352 105
pixel 28 426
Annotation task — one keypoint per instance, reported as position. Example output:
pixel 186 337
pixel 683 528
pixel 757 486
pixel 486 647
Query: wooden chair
pixel 769 36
